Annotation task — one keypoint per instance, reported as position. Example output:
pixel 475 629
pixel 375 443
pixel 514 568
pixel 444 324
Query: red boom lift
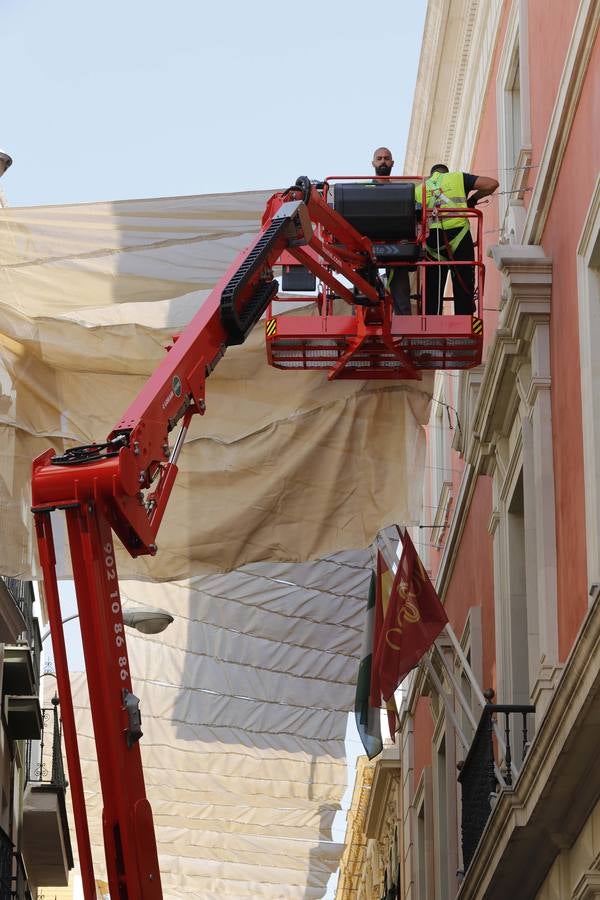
pixel 123 485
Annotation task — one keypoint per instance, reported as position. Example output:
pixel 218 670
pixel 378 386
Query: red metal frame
pixel 372 342
pixel 124 484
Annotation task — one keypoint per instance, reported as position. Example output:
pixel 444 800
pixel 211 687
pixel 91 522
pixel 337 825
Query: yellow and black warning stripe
pixel 477 325
pixel 271 327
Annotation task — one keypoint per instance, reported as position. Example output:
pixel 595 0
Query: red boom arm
pixel 123 486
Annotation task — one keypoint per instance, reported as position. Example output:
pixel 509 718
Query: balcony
pixel 20 663
pixel 13 876
pixel 23 647
pixel 46 839
pixel 12 621
pixel 19 675
pixel 482 776
pixel 23 716
pixel 22 595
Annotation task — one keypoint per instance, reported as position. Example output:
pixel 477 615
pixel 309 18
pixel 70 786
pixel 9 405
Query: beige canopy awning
pixel 244 702
pixel 284 465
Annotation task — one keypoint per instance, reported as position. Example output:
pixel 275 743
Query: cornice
pixel 461 85
pixel 457 50
pixel 486 22
pixel 427 78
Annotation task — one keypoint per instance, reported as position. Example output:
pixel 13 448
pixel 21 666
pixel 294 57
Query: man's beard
pixel 383 169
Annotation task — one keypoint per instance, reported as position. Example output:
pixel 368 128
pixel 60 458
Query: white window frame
pixel 514 150
pixel 588 281
pixel 423 839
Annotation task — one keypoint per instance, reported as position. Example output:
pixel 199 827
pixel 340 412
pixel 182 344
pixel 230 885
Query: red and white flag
pixel 408 624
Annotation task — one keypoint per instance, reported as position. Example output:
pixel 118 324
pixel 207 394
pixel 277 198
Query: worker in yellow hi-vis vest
pixel 450 238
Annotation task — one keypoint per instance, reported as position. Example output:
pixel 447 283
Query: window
pixel 441 493
pixel 441 820
pixel 521 464
pixel 512 114
pixel 588 277
pixel 423 837
pixel 512 98
pixel 517 598
pixel 421 863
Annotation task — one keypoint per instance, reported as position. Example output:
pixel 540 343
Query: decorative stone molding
pixel 527 286
pixel 457 525
pixel 512 439
pixel 588 886
pixel 353 864
pixel 382 819
pixel 544 687
pixel 384 789
pixel 468 391
pixel 442 514
pixel 454 68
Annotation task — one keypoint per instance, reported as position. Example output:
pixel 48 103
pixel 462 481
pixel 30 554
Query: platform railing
pixel 424 219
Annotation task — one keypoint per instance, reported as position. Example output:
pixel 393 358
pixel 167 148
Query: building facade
pixel 370 865
pixel 500 794
pixel 35 846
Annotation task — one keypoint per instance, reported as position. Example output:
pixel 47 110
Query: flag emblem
pixel 407 625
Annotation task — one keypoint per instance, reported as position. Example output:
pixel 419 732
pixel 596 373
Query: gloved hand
pixel 471 202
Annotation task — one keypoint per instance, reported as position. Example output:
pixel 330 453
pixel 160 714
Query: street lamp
pixel 5 162
pixel 147 619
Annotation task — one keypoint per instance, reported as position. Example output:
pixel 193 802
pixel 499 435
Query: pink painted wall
pixel 550 29
pixel 423 737
pixel 560 238
pixel 472 582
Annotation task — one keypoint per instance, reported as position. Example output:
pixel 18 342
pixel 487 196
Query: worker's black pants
pixel 463 277
pixel 399 285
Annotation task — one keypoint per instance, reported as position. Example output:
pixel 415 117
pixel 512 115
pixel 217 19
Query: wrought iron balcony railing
pixel 20 884
pixel 22 594
pixel 13 877
pixel 44 758
pixel 486 769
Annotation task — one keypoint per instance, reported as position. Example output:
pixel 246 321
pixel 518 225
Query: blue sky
pixel 130 99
